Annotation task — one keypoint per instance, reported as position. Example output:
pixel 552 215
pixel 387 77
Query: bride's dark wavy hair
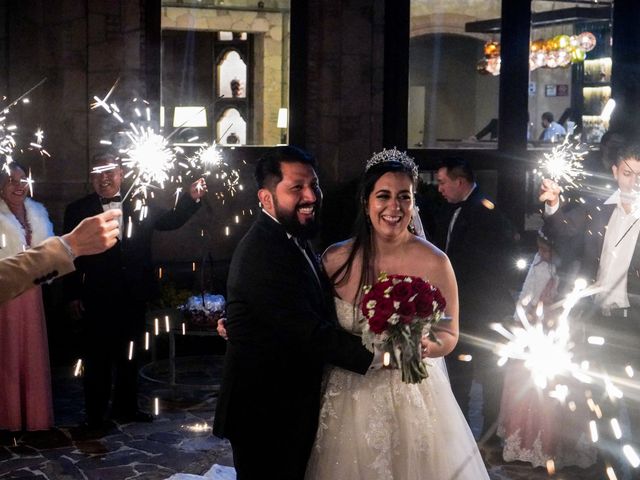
pixel 363 230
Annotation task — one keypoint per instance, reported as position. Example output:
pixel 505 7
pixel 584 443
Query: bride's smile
pixel 390 204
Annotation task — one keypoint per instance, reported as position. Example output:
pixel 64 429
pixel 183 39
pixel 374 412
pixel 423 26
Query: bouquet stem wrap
pixel 408 356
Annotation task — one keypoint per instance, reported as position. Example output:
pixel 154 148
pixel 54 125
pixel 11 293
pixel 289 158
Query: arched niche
pixel 232 75
pixel 231 128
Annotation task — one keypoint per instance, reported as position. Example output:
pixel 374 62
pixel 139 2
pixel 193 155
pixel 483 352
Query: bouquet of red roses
pixel 399 310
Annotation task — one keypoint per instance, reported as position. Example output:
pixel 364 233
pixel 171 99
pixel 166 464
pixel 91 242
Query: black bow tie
pixel 116 199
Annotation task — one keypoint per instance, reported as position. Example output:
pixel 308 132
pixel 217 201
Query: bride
pixel 375 426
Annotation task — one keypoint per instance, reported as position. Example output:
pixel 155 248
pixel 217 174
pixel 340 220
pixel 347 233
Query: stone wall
pixel 81 48
pixel 344 88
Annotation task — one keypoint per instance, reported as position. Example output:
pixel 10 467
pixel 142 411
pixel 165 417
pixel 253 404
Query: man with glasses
pixel 108 292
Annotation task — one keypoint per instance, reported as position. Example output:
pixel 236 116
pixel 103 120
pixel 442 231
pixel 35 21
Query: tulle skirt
pixel 374 426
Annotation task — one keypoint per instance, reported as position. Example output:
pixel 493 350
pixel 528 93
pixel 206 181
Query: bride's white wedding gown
pixel 377 427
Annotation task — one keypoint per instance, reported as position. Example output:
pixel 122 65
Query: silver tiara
pixel 393 155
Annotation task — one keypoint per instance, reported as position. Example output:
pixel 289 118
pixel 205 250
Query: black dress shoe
pixel 137 416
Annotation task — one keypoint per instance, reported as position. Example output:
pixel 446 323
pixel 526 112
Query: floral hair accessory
pixel 393 155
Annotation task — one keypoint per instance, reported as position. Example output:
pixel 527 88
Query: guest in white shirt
pixel 610 261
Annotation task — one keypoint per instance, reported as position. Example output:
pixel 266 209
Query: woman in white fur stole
pixel 25 377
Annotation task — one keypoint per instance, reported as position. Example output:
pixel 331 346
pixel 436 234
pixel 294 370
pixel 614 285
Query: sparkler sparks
pixel 209 157
pixel 78 368
pixel 198 427
pixel 9 132
pixel 547 349
pixel 545 352
pixel 564 164
pixel 148 156
pixel 209 162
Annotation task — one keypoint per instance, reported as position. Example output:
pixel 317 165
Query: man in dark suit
pixel 281 327
pixel 108 292
pixel 610 262
pixel 479 242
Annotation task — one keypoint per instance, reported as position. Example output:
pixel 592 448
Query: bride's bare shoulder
pixel 434 264
pixel 335 255
pixel 422 248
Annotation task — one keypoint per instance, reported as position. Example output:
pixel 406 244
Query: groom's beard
pixel 289 220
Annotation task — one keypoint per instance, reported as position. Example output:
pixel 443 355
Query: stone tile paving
pixel 163 448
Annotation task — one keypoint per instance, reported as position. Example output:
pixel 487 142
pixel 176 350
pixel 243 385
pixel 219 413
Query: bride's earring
pixel 412 227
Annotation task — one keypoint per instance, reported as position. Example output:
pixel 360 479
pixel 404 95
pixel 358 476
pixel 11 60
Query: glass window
pixel 231 60
pixel 570 70
pixel 453 73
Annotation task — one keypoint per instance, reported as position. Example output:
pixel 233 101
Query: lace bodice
pixel 349 317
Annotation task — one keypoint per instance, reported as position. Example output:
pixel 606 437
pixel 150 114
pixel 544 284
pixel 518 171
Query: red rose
pixel 365 300
pixel 385 307
pixel 402 292
pixel 378 323
pixel 440 300
pixel 407 309
pixel 424 305
pixel 379 288
pixel 419 285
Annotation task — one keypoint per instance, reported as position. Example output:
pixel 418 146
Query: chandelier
pixel 558 51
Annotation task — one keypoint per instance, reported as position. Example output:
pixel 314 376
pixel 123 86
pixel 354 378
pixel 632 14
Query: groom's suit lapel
pixel 299 267
pixel 325 287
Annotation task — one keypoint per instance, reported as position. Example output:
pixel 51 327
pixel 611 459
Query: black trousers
pixel 108 371
pixel 278 455
pixel 484 370
pixel 268 439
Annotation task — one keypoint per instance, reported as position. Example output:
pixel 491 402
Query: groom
pixel 281 327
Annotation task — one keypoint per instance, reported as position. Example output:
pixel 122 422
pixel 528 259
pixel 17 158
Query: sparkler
pixel 9 131
pixel 548 353
pixel 208 160
pixel 208 157
pixel 78 368
pixel 564 164
pixel 148 155
pixel 152 160
pixel 29 181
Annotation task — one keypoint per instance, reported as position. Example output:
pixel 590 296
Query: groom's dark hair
pixel 268 172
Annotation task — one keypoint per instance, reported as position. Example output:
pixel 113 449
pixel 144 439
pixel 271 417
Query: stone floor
pixel 174 443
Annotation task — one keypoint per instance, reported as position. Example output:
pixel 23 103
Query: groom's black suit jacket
pixel 282 330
